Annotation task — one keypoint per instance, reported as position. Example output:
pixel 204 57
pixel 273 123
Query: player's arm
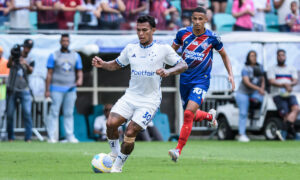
pixel 248 83
pixel 175 47
pixel 79 77
pixel 48 81
pixel 179 68
pixel 227 64
pixel 110 65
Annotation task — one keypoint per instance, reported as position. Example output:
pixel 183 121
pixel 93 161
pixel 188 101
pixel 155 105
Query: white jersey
pixel 282 75
pixel 144 84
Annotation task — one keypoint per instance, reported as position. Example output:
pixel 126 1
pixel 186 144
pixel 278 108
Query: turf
pixel 199 160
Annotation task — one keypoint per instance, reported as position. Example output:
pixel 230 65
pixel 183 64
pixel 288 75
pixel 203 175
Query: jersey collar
pixel 145 47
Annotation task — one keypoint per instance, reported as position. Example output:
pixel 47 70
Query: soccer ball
pixel 102 163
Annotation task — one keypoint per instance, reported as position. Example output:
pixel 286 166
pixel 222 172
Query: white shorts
pixel 140 113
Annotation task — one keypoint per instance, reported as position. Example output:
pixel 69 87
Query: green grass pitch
pixel 265 160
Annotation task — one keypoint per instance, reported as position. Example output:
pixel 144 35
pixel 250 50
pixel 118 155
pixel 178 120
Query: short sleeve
pixel 245 72
pixel 216 42
pixel 271 73
pixel 78 64
pixel 123 60
pixel 51 62
pixel 177 39
pixel 171 58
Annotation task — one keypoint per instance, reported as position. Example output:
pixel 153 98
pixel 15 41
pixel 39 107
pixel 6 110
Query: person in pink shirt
pixel 243 10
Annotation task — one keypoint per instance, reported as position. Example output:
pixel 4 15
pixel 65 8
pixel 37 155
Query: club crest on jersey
pixel 195 43
pixel 204 45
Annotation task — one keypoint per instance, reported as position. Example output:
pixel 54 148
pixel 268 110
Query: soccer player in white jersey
pixel 143 97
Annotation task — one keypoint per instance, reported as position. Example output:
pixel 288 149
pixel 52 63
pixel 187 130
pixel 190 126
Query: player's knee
pixel 111 124
pixel 130 133
pixel 129 140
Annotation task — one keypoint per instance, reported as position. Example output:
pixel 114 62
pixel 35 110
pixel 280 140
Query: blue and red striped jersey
pixel 197 51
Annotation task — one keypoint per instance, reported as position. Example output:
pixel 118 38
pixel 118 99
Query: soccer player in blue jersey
pixel 197 51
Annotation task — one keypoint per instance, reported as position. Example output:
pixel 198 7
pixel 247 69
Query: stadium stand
pixel 272 22
pixel 224 22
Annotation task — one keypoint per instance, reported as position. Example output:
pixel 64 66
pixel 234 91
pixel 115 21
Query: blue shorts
pixel 193 92
pixel 284 104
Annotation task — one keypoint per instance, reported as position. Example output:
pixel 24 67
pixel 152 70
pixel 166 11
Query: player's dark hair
pixel 147 18
pixel 64 35
pixel 200 10
pixel 280 50
pixel 248 62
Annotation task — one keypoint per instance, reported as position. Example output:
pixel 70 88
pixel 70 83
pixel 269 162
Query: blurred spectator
pixel 251 89
pixel 4 10
pixel 100 124
pixel 260 8
pixel 185 21
pixel 219 6
pixel 4 71
pixel 64 74
pixel 283 9
pixel 174 23
pixel 65 17
pixel 293 19
pixel 134 8
pixel 19 14
pixel 160 9
pixel 111 16
pixel 3 63
pixel 17 88
pixel 47 15
pixel 89 17
pixel 187 6
pixel 282 78
pixel 203 3
pixel 242 10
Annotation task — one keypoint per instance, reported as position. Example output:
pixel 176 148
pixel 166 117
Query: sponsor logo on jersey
pixel 193 55
pixel 142 73
pixel 133 55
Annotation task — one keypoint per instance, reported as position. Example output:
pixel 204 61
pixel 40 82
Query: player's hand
pixel 261 91
pixel 231 80
pixel 288 87
pixel 162 72
pixel 22 60
pixel 97 62
pixel 79 82
pixel 47 94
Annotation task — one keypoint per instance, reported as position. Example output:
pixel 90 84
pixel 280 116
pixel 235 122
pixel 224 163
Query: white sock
pixel 120 160
pixel 114 146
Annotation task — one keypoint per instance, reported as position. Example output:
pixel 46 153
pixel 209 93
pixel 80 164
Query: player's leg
pixel 195 98
pixel 114 121
pixel 119 113
pixel 127 146
pixel 283 109
pixel 292 115
pixel 52 118
pixel 189 115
